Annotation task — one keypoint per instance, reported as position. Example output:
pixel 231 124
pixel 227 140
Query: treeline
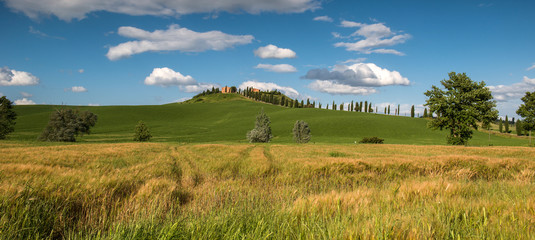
pixel 276 98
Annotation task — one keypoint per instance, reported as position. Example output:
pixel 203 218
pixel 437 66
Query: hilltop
pixel 228 117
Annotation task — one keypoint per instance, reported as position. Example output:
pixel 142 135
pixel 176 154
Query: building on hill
pixel 225 89
pixel 254 90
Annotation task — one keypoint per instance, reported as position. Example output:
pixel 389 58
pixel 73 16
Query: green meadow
pixel 226 118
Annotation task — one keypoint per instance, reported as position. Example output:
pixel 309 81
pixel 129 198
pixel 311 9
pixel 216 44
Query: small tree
pixel 425 112
pixel 65 124
pixel 365 106
pixel 460 106
pixel 7 117
pixel 518 126
pixel 142 132
pixel 527 112
pixel 412 111
pixel 388 109
pixel 301 132
pixel 341 106
pixel 262 130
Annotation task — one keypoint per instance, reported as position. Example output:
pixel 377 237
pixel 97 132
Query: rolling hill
pixel 228 117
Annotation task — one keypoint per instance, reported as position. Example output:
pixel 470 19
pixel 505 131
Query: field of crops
pixel 246 191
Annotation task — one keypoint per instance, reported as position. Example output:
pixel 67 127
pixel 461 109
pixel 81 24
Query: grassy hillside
pixel 228 117
pixel 265 191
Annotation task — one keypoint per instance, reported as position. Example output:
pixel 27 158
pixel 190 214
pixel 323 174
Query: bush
pixel 301 132
pixel 65 124
pixel 141 132
pixel 262 130
pixel 374 140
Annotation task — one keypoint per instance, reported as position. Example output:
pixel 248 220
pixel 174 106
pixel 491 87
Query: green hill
pixel 228 117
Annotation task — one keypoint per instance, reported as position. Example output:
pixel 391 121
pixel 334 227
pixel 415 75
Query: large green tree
pixel 459 106
pixel 7 117
pixel 527 112
pixel 65 124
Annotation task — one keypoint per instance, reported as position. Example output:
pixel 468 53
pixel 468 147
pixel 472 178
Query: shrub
pixel 142 132
pixel 262 130
pixel 301 132
pixel 374 140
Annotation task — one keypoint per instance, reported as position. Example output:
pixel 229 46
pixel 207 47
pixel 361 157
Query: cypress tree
pixel 506 125
pixel 296 103
pixel 370 109
pixel 319 105
pixel 500 126
pixel 412 111
pixel 327 106
pixel 376 109
pixel 351 109
pixel 282 100
pixel 365 106
pixel 360 106
pixel 302 104
pixel 334 106
pixel 388 109
pixel 385 111
pixel 341 106
pixel 398 109
pixel 425 112
pixel 308 102
pixel 314 104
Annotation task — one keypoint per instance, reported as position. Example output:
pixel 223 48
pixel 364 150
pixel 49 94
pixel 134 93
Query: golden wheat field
pixel 246 191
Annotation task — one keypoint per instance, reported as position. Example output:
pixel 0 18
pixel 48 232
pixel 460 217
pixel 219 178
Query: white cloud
pixel 280 68
pixel 24 101
pixel 25 94
pixel 68 10
pixel 175 38
pixel 10 77
pixel 93 104
pixel 355 60
pixel 531 68
pixel 373 38
pixel 359 75
pixel 272 51
pixel 346 23
pixel 323 18
pixel 338 88
pixel 166 77
pixel 77 89
pixel 504 93
pixel 268 86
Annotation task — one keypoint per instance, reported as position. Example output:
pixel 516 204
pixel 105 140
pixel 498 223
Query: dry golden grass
pixel 255 191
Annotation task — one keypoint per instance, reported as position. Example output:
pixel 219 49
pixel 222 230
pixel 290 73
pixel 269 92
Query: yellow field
pixel 170 191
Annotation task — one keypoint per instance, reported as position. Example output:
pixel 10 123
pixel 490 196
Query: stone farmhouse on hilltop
pixel 226 89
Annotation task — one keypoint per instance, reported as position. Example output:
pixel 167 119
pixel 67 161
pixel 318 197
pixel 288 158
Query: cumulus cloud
pixel 373 38
pixel 24 101
pixel 11 77
pixel 272 51
pixel 175 38
pixel 25 94
pixel 504 93
pixel 338 88
pixel 77 89
pixel 359 75
pixel 166 77
pixel 68 10
pixel 280 68
pixel 323 18
pixel 268 86
pixel 531 68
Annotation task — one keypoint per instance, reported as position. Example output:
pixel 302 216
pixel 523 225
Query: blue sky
pixel 127 52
